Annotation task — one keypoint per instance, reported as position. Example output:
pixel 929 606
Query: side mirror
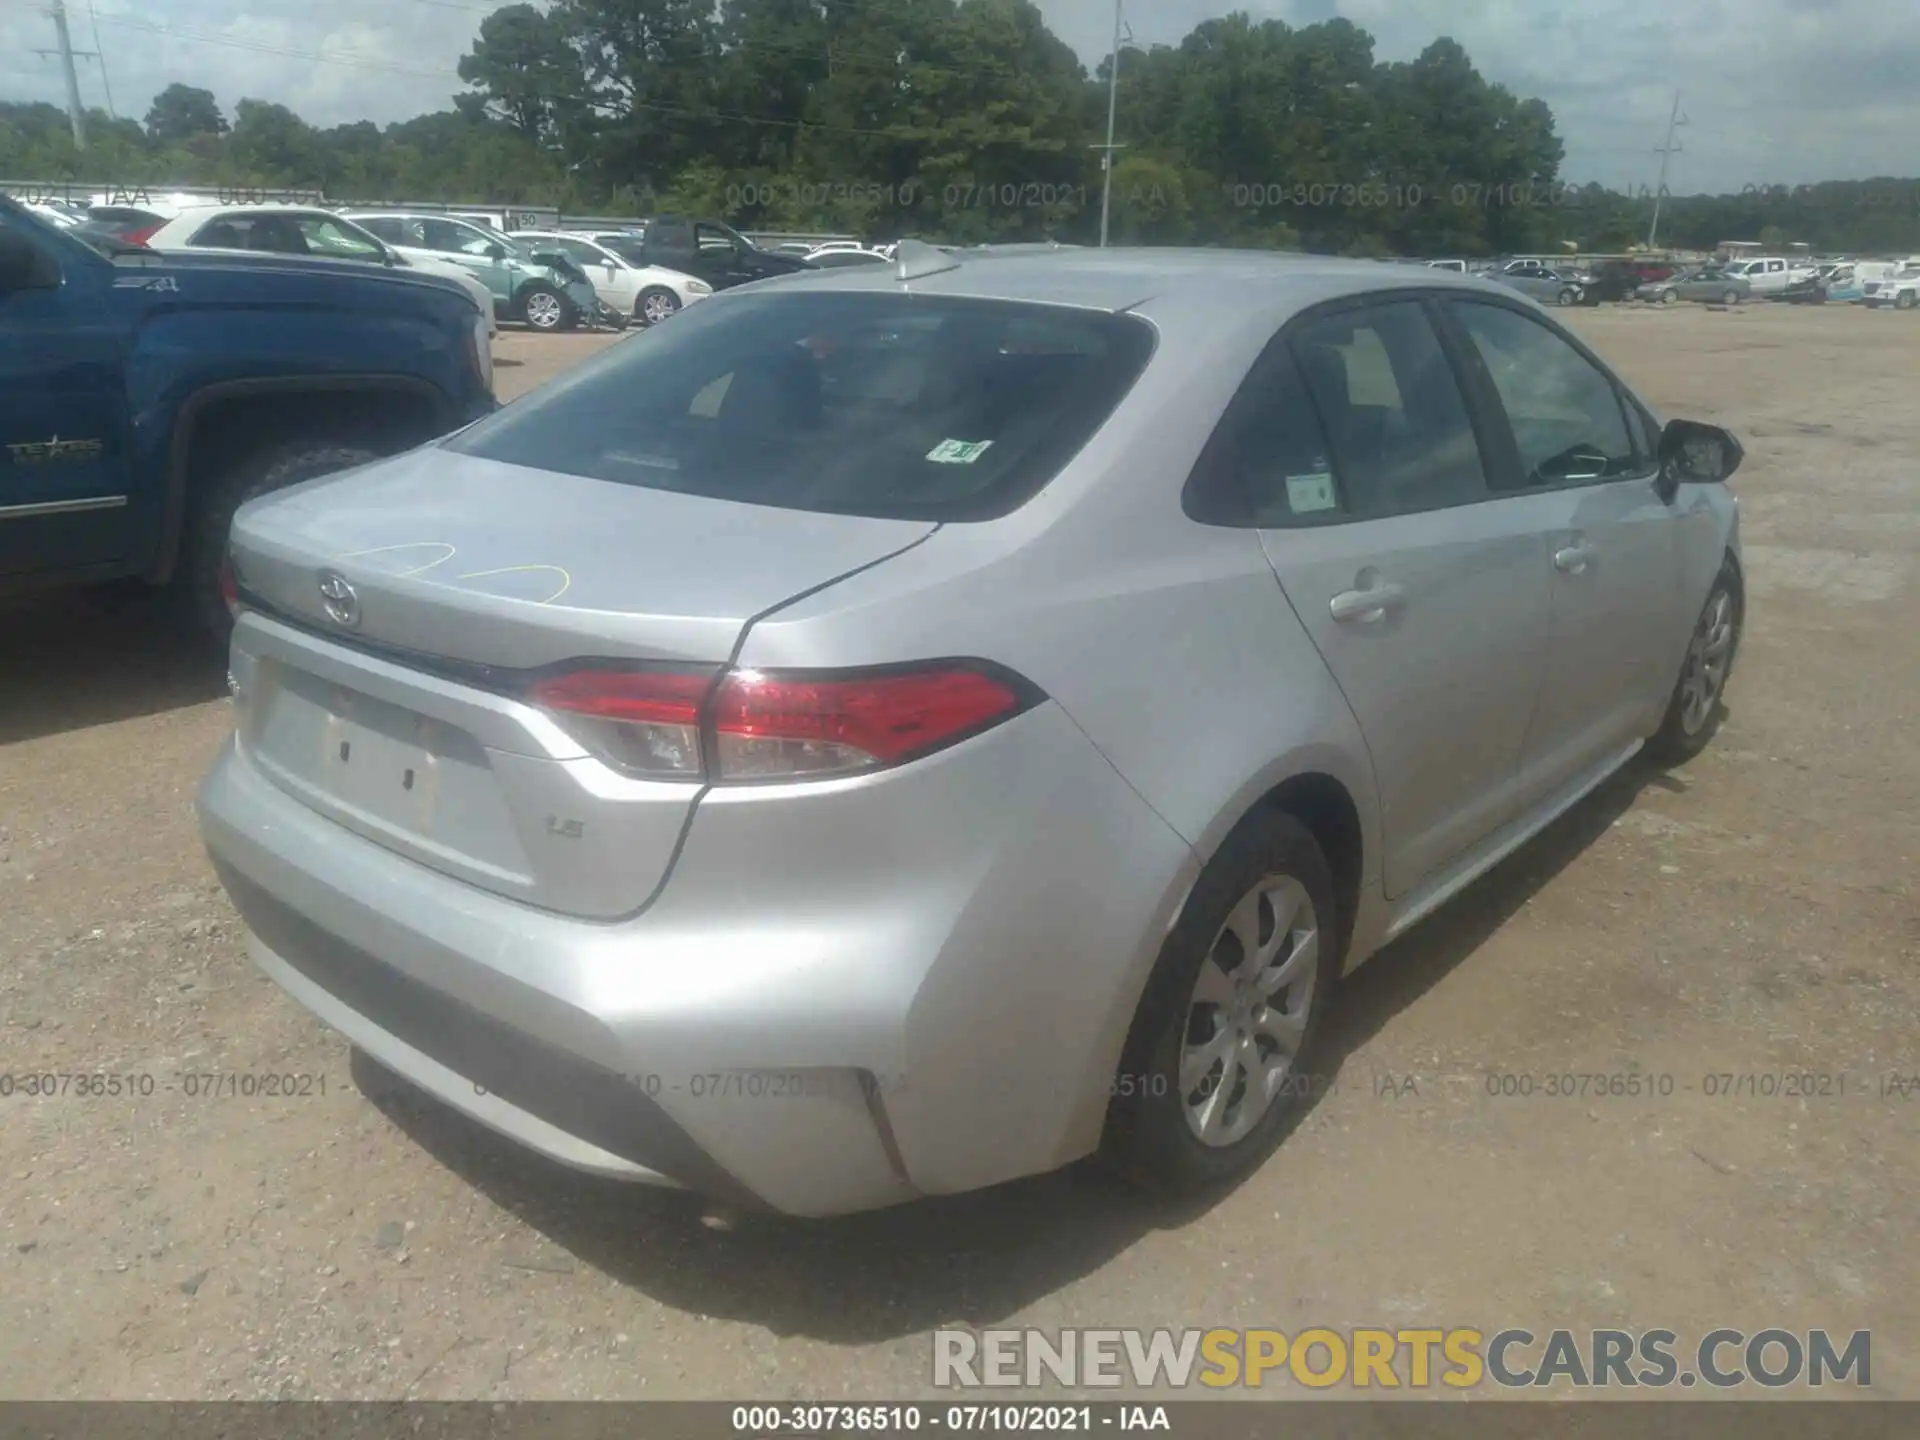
pixel 1695 454
pixel 22 266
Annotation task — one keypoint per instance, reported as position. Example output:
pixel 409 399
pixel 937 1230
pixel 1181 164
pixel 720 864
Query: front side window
pixel 1391 409
pixel 886 405
pixel 1564 411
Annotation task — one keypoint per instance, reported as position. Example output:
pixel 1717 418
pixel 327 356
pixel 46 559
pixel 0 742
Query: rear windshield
pixel 884 405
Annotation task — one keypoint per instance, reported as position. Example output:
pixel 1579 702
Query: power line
pixel 99 55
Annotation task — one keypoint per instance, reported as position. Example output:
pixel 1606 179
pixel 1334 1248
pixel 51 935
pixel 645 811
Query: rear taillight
pixel 792 726
pixel 759 726
pixel 229 586
pixel 140 236
pixel 644 722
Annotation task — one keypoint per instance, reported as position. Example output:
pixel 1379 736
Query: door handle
pixel 1574 558
pixel 1367 606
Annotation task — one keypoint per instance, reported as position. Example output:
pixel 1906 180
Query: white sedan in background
pixel 624 281
pixel 303 230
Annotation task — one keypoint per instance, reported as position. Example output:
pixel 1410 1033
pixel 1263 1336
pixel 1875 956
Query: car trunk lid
pixel 396 614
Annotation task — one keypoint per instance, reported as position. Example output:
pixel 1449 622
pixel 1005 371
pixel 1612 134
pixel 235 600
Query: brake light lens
pixel 643 722
pixel 788 725
pixel 794 726
pixel 140 236
pixel 229 586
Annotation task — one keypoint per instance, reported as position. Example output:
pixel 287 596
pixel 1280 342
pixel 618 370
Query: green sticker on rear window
pixel 958 452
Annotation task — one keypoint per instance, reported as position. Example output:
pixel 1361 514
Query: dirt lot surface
pixel 1754 915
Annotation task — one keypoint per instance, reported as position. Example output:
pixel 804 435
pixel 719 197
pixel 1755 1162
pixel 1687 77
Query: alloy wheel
pixel 1247 1015
pixel 1708 656
pixel 543 310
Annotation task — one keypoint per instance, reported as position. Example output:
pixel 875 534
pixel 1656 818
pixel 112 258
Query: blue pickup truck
pixel 144 396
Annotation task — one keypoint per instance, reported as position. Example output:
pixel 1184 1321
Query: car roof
pixel 1123 278
pixel 208 208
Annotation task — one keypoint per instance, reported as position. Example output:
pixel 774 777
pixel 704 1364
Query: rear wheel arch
pixel 1327 808
pixel 1330 809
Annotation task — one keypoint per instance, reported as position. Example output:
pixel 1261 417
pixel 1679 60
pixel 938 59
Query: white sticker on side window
pixel 1308 493
pixel 958 452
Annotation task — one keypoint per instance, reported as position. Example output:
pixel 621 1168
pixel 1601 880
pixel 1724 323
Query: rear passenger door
pixel 1424 593
pixel 1583 463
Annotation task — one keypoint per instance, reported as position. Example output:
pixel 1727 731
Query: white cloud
pixel 1777 91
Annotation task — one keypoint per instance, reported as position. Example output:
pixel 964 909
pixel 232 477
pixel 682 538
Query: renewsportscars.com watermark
pixel 1363 1358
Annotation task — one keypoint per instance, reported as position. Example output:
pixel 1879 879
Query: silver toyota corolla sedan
pixel 902 728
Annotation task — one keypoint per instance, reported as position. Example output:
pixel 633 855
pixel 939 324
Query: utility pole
pixel 1106 150
pixel 1666 152
pixel 76 113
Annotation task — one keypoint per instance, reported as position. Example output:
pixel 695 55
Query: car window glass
pixel 863 404
pixel 386 228
pixel 326 236
pixel 1565 412
pixel 1391 409
pixel 1271 454
pixel 269 232
pixel 711 237
pixel 579 250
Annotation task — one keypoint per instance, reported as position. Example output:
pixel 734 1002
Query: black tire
pixel 1568 296
pixel 657 298
pixel 1905 300
pixel 1148 1139
pixel 1668 297
pixel 545 309
pixel 1674 743
pixel 1732 297
pixel 211 518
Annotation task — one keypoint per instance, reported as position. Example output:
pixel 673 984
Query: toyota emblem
pixel 343 606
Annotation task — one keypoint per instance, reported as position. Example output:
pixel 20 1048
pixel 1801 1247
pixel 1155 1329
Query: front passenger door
pixel 1425 594
pixel 1588 475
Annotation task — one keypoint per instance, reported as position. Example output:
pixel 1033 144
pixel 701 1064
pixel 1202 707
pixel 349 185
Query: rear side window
pixel 885 405
pixel 1391 409
pixel 1268 466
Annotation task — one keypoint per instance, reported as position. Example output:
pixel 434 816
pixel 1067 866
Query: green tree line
pixel 961 120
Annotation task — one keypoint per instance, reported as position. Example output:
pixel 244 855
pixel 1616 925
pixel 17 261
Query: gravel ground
pixel 1754 914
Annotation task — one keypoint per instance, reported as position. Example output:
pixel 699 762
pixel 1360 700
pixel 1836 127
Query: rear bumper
pixel 906 984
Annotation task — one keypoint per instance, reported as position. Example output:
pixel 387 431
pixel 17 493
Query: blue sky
pixel 1778 92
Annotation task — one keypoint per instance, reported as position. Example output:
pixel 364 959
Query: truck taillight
pixel 760 726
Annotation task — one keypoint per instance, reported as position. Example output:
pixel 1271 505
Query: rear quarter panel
pixel 1168 643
